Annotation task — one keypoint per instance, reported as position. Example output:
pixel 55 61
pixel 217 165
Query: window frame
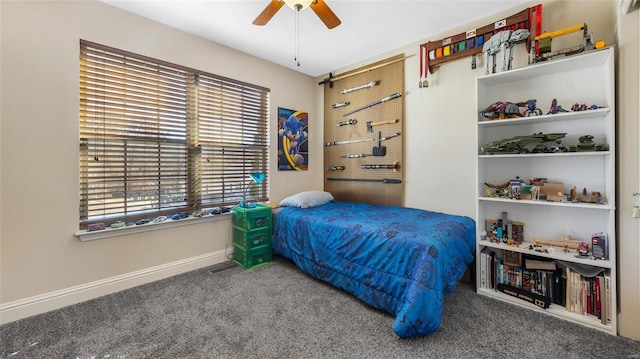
pixel 251 142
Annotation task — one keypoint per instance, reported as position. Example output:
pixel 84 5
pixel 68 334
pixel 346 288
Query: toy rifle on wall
pixel 388 98
pixel 394 166
pixel 347 122
pixel 356 88
pixel 383 180
pixel 340 104
pixel 356 155
pixel 334 143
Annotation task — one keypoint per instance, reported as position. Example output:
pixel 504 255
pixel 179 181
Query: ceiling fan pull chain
pixel 297 37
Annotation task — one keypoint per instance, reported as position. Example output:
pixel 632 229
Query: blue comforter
pixel 397 259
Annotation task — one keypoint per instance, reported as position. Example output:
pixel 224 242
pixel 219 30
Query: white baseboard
pixel 43 303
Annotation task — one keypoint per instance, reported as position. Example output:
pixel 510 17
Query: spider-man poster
pixel 293 127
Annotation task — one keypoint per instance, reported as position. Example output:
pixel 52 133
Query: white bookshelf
pixel 584 79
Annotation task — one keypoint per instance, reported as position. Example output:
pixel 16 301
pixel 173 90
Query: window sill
pixel 85 235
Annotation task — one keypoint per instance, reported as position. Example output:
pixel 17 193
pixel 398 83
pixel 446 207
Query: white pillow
pixel 307 199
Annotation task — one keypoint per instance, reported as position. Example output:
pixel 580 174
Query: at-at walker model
pixel 501 42
pixel 526 144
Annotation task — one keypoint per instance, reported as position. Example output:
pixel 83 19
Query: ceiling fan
pixel 318 6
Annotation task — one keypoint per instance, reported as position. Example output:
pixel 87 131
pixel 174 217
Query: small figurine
pixel 531 110
pixel 555 108
pixel 497 189
pixel 535 193
pixel 586 143
pixel 583 249
pixel 578 107
pixel 536 246
pixel 516 187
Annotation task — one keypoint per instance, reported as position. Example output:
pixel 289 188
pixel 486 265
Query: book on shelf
pixel 483 269
pixel 540 264
pixel 607 295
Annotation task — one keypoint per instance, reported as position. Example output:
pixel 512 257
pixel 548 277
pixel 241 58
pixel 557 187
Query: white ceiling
pixel 369 27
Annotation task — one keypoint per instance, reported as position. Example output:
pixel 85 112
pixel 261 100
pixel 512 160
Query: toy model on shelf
pixel 500 43
pixel 534 143
pixel 501 110
pixel 586 144
pixel 544 43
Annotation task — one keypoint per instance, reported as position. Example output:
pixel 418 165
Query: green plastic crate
pixel 252 218
pixel 252 258
pixel 252 238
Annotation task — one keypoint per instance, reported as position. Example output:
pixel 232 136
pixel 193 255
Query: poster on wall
pixel 293 149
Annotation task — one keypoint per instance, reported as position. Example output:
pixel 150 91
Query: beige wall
pixel 39 183
pixel 440 133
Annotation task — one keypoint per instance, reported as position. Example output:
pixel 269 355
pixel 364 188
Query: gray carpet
pixel 279 312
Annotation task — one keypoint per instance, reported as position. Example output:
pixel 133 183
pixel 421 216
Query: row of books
pixel 540 283
pixel 540 287
pixel 589 295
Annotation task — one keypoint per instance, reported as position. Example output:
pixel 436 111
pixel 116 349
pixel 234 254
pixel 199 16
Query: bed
pixel 396 259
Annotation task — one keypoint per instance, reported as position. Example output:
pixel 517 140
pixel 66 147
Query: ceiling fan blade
pixel 268 12
pixel 325 14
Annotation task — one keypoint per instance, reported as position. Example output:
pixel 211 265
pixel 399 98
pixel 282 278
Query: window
pixel 158 139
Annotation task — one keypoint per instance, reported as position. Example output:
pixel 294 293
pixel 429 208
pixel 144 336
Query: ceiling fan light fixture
pixel 298 4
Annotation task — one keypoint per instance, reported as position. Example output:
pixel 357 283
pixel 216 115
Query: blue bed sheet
pixel 397 259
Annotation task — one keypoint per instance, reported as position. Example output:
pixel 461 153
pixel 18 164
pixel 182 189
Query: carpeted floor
pixel 279 312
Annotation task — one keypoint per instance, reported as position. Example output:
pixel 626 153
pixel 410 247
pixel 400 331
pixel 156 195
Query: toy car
pixel 142 221
pixel 180 215
pixel 117 224
pixel 95 227
pixel 159 219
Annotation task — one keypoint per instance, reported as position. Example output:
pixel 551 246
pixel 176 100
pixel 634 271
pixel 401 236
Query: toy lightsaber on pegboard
pixel 395 166
pixel 388 98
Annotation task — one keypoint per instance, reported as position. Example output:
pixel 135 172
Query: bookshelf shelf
pixel 556 255
pixel 601 207
pixel 562 116
pixel 586 78
pixel 554 310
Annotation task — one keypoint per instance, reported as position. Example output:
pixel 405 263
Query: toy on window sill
pixel 96 227
pixel 159 219
pixel 180 215
pixel 117 224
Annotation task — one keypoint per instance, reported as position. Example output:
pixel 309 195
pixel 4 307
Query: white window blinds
pixel 157 138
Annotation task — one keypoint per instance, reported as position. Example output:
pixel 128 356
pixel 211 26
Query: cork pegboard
pixel 389 78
